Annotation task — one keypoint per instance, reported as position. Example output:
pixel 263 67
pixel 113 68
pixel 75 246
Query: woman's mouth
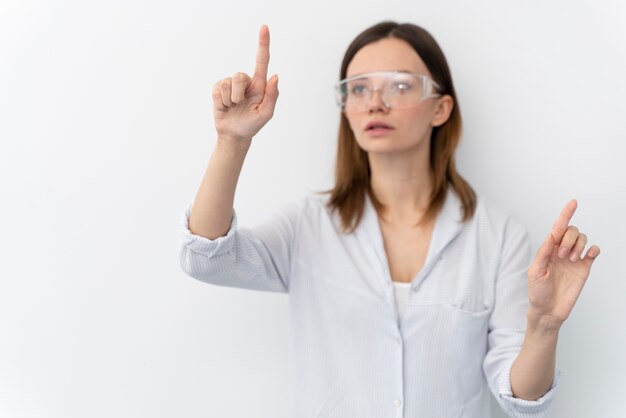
pixel 377 128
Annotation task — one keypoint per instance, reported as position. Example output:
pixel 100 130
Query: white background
pixel 106 128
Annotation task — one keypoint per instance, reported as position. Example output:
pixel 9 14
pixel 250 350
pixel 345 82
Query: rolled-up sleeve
pixel 516 407
pixel 507 325
pixel 257 258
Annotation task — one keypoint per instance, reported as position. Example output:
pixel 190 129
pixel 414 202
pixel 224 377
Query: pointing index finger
pixel 263 53
pixel 562 222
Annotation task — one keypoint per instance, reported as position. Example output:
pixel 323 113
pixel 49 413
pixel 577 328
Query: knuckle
pixel 225 84
pixel 571 234
pixel 239 76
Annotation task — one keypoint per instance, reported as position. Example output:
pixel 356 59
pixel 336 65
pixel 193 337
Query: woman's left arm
pixel 555 279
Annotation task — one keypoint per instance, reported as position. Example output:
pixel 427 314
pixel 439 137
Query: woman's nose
pixel 376 101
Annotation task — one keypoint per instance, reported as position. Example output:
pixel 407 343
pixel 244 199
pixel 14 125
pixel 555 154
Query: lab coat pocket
pixel 469 326
pixel 450 336
pixel 469 321
pixel 473 307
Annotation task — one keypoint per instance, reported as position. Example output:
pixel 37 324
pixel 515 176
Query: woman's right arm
pixel 213 249
pixel 241 107
pixel 213 206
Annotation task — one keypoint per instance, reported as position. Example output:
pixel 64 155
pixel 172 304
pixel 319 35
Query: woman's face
pixel 412 126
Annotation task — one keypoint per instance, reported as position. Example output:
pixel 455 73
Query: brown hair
pixel 352 171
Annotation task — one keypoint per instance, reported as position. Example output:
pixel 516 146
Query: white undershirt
pixel 401 292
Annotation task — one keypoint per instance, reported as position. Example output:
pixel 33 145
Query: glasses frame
pixel 428 83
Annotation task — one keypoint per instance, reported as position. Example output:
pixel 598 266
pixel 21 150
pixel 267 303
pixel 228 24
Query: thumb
pixel 271 95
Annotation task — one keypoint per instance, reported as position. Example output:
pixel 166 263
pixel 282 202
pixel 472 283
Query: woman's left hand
pixel 558 273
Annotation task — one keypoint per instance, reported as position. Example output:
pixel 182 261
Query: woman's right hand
pixel 243 105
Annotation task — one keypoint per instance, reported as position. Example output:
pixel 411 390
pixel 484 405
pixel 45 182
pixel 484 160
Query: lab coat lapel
pixel 369 234
pixel 447 227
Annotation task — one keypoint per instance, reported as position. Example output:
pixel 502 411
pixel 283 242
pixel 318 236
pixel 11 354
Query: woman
pixel 409 295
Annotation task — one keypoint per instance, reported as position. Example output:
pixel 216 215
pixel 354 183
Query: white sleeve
pixel 257 258
pixel 507 325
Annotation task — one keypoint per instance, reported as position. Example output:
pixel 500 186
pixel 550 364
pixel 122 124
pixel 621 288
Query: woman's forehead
pixel 387 54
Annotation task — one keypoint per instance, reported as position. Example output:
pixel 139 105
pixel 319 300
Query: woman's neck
pixel 403 183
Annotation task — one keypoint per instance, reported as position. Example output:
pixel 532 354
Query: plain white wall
pixel 106 129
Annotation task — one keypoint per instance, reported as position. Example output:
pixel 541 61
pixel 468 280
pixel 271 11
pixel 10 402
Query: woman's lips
pixel 377 124
pixel 379 131
pixel 378 128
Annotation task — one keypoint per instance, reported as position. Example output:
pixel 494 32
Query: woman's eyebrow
pixel 365 75
pixel 387 71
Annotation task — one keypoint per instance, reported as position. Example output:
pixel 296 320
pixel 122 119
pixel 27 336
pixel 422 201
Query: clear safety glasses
pixel 396 89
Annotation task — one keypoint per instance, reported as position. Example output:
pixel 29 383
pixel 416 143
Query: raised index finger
pixel 263 53
pixel 562 222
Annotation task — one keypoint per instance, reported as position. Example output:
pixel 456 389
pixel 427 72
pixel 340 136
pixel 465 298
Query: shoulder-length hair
pixel 352 171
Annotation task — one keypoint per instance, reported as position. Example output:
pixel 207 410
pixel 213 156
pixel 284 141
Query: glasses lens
pixel 395 90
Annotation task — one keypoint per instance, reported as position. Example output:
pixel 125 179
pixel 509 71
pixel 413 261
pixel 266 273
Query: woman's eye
pixel 401 87
pixel 358 89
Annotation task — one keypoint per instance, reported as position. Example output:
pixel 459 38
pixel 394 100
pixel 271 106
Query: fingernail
pixel 574 257
pixel 562 252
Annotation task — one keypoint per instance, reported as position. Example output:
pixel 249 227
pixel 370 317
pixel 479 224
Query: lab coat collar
pixel 448 226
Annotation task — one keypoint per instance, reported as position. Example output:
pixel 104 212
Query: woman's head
pixel 436 122
pixel 387 81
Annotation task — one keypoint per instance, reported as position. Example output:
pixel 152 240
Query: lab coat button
pixel 397 402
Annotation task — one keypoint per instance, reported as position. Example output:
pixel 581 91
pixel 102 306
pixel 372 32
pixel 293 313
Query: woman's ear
pixel 443 110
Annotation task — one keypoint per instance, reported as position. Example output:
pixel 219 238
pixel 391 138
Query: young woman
pixel 409 295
